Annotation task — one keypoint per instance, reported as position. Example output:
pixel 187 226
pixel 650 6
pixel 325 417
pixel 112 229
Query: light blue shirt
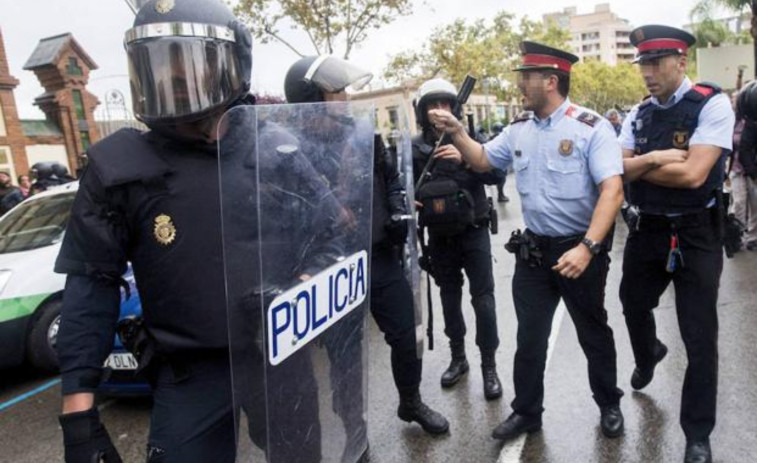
pixel 714 127
pixel 559 163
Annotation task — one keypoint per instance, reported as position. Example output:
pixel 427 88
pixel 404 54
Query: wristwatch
pixel 593 246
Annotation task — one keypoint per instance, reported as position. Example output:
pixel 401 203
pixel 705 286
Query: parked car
pixel 31 294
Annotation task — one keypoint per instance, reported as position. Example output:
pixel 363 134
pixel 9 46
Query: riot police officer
pixel 152 199
pixel 562 254
pixel 458 238
pixel 674 147
pixel 326 78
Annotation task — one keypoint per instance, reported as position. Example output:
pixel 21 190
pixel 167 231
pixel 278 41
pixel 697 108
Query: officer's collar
pixel 677 96
pixel 556 115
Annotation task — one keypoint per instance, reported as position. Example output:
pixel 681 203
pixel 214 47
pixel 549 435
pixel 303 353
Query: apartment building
pixel 600 35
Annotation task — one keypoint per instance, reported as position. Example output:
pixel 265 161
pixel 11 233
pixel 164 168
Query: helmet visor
pixel 333 75
pixel 180 78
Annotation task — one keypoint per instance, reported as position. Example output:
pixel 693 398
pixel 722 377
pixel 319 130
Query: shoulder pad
pixel 702 91
pixel 420 145
pixel 646 101
pixel 124 157
pixel 523 117
pixel 588 118
pixel 707 88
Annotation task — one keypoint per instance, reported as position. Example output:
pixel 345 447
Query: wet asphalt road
pixel 29 431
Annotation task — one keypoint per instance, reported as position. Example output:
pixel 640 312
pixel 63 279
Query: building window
pixel 79 105
pixel 73 68
pixel 85 141
pixel 393 117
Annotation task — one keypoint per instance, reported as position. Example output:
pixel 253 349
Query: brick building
pixel 62 68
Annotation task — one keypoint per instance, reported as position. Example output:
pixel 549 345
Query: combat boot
pixel 458 367
pixel 412 408
pixel 492 386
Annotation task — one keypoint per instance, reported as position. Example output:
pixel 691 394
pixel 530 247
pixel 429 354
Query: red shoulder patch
pixel 704 91
pixel 570 111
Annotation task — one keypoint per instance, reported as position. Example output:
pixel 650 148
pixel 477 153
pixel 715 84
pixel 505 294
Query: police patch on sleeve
pixel 165 231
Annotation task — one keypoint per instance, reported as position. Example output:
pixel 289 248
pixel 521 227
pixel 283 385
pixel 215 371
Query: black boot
pixel 641 377
pixel 492 386
pixel 698 452
pixel 457 367
pixel 412 408
pixel 611 420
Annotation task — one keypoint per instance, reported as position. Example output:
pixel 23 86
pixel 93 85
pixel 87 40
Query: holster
pixel 524 246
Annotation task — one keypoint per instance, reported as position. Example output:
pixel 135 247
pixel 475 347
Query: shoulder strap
pixel 125 157
pixel 588 118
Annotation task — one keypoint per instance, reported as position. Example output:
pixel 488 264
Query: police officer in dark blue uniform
pixel 675 145
pixel 568 170
pixel 458 239
pixel 325 78
pixel 153 199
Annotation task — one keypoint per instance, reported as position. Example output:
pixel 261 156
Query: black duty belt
pixel 545 242
pixel 665 222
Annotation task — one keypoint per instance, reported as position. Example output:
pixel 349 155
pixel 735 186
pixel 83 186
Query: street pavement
pixel 29 403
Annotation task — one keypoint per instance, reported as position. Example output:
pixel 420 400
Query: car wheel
pixel 41 344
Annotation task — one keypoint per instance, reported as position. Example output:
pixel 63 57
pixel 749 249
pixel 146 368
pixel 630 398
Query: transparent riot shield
pixel 400 140
pixel 296 196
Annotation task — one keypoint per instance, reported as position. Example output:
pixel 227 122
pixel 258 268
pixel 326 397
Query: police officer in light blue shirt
pixel 674 148
pixel 568 169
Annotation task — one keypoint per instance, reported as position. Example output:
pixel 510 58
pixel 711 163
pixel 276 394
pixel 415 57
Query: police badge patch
pixel 439 206
pixel 680 139
pixel 566 147
pixel 164 6
pixel 165 231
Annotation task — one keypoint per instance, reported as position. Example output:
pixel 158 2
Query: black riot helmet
pixel 435 90
pixel 746 102
pixel 309 78
pixel 41 171
pixel 497 128
pixel 186 58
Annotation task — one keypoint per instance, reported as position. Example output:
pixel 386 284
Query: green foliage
pixel 329 24
pixel 486 49
pixel 600 86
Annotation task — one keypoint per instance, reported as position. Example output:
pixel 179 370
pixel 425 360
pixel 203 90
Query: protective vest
pixel 657 128
pixel 467 180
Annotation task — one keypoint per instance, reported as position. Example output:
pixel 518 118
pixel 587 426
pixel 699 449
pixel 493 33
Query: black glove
pixel 85 438
pixel 396 229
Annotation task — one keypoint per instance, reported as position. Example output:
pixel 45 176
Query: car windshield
pixel 35 223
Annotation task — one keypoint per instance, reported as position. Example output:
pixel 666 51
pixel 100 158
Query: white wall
pixel 47 153
pixel 720 64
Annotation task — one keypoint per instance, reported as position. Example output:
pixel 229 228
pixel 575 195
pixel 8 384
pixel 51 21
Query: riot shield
pixel 404 150
pixel 296 196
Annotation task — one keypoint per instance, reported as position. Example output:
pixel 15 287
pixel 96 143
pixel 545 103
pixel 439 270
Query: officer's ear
pixel 681 62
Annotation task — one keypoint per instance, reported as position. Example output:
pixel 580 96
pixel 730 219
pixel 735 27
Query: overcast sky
pixel 98 25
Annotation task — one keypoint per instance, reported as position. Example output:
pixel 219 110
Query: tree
pixel 600 86
pixel 487 50
pixel 739 6
pixel 328 24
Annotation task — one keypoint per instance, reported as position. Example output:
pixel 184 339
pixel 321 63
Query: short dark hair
pixel 563 81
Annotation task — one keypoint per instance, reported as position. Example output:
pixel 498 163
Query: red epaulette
pixel 704 91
